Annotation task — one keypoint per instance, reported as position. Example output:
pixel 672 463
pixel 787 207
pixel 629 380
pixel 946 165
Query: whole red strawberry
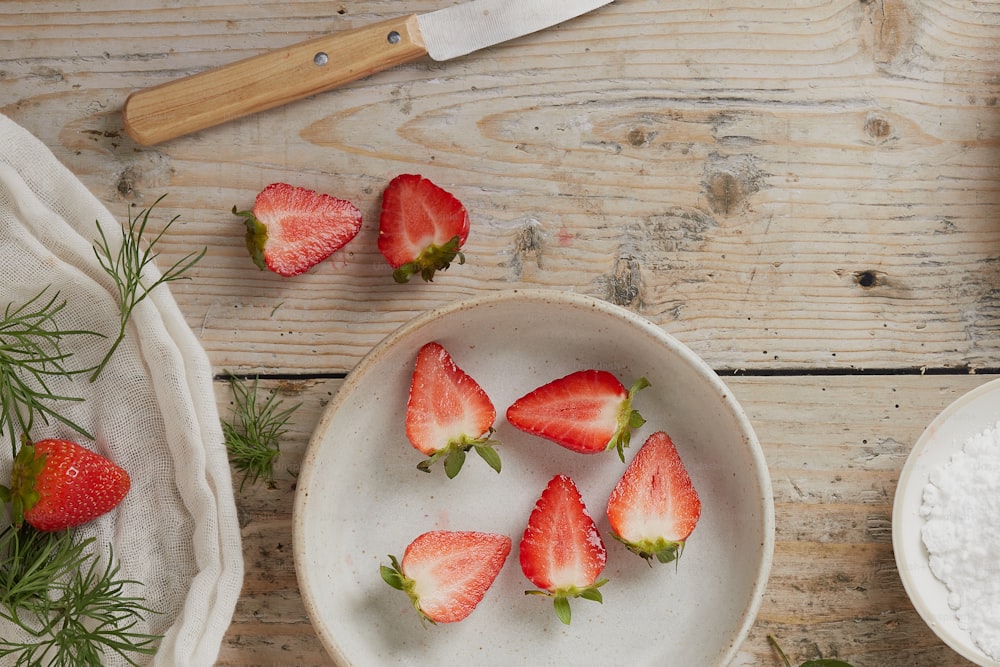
pixel 448 413
pixel 587 411
pixel 292 229
pixel 654 507
pixel 57 484
pixel 422 228
pixel 561 551
pixel 447 573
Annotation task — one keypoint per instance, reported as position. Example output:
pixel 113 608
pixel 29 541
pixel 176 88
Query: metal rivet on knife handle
pixel 271 79
pixel 261 82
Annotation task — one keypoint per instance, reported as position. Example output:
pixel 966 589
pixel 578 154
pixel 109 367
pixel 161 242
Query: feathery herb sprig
pixel 52 586
pixel 253 433
pixel 74 612
pixel 126 267
pixel 30 356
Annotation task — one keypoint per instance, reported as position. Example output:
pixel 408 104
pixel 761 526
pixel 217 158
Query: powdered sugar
pixel 961 507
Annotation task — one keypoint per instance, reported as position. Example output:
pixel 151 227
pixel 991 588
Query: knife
pixel 215 96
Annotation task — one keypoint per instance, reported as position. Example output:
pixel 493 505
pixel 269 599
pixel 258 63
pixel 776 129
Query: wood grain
pixel 783 185
pixel 275 78
pixel 804 192
pixel 834 447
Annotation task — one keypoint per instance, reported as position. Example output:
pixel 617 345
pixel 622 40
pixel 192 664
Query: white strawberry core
pixel 575 572
pixel 642 526
pixel 432 584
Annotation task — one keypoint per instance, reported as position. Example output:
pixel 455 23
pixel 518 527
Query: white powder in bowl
pixel 961 507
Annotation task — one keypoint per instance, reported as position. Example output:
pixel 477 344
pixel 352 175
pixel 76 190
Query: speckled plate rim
pixel 971 413
pixel 355 376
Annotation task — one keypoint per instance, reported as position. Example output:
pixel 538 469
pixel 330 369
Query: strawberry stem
pixel 22 494
pixel 393 575
pixel 561 597
pixel 256 237
pixel 781 654
pixel 628 419
pixel 432 258
pixel 663 550
pixel 454 454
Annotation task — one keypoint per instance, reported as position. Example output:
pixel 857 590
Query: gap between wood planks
pixel 721 372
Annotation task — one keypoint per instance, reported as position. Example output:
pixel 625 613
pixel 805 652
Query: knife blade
pixel 274 78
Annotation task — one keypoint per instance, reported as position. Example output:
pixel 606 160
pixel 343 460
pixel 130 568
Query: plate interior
pixel 360 498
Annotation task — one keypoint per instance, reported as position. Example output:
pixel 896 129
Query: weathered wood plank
pixel 834 446
pixel 787 185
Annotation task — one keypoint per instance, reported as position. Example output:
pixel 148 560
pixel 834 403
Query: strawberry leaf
pixel 822 662
pixel 256 237
pixel 454 461
pixel 663 550
pixel 22 494
pixel 454 455
pixel 433 258
pixel 628 419
pixel 561 605
pixel 489 455
pixel 392 575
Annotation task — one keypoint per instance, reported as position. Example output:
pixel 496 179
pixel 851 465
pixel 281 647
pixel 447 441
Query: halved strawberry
pixel 447 573
pixel 421 229
pixel 57 484
pixel 587 411
pixel 562 551
pixel 654 507
pixel 292 229
pixel 448 413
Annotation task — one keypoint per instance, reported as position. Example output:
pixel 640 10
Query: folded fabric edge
pixel 191 639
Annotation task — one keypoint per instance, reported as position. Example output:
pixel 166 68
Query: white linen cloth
pixel 152 410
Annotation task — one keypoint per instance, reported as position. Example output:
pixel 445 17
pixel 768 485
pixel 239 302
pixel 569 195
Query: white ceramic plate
pixel 360 498
pixel 969 415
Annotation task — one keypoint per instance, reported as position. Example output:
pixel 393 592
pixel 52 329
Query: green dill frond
pixel 127 265
pixel 254 431
pixel 31 355
pixel 72 610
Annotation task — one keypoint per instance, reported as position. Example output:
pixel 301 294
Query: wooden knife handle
pixel 261 82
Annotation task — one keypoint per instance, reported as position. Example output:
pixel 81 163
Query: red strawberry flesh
pixel 421 228
pixel 447 573
pixel 561 550
pixel 588 411
pixel 654 507
pixel 448 412
pixel 291 229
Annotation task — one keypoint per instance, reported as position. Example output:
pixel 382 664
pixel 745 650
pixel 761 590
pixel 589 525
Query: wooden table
pixel 805 193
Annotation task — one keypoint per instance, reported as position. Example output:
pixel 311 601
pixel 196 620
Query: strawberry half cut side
pixel 588 411
pixel 292 229
pixel 422 228
pixel 654 507
pixel 448 413
pixel 58 484
pixel 561 550
pixel 446 573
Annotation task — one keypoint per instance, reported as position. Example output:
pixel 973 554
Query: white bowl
pixel 360 498
pixel 969 415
